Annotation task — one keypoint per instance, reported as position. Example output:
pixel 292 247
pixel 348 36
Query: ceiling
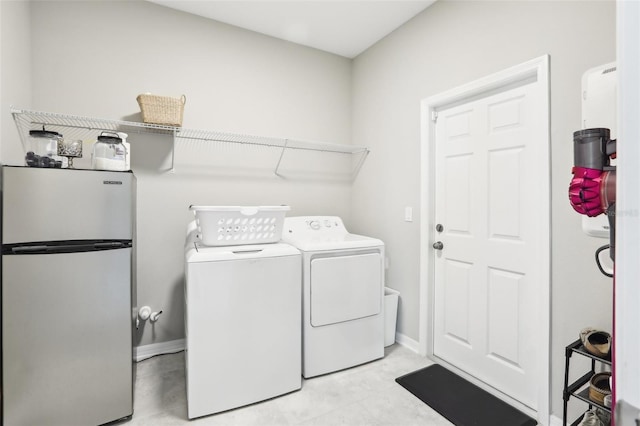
pixel 344 27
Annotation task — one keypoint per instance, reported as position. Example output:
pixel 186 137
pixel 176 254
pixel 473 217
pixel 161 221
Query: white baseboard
pixel 147 351
pixel 407 342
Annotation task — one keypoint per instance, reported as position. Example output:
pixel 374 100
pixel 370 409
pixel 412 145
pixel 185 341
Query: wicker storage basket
pixel 161 109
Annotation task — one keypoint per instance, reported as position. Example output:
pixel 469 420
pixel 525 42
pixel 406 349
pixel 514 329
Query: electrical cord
pixel 598 251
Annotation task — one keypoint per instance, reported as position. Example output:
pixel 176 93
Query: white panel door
pixel 486 274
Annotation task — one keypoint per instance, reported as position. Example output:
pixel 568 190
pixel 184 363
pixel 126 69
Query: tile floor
pixel 364 395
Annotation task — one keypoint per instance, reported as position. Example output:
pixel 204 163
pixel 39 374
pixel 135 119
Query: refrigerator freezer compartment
pixel 63 205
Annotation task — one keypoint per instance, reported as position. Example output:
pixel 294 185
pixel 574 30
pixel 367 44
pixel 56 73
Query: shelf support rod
pixel 173 152
pixel 284 147
pixel 365 152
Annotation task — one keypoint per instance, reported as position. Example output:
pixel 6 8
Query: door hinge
pixel 434 116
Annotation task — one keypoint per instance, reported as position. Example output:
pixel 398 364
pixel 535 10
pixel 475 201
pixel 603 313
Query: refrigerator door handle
pixel 28 249
pixel 58 248
pixel 49 248
pixel 111 245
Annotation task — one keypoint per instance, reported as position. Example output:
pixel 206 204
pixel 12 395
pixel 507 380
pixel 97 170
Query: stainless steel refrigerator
pixel 67 296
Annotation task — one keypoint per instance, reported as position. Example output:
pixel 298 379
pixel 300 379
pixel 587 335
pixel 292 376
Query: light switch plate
pixel 408 214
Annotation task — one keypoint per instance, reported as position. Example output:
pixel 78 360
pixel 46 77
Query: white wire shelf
pixel 29 120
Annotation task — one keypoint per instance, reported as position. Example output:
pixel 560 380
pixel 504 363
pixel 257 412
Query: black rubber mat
pixel 459 401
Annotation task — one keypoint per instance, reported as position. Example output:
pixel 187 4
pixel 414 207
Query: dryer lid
pixel 348 241
pixel 318 233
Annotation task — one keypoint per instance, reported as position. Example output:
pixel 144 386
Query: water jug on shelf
pixel 109 153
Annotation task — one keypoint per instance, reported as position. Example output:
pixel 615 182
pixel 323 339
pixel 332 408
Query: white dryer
pixel 342 294
pixel 242 324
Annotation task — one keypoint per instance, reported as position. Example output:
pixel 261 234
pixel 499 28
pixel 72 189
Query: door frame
pixel 534 70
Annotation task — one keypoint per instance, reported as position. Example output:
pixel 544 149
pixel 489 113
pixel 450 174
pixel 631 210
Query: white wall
pixel 452 43
pixel 94 57
pixel 15 69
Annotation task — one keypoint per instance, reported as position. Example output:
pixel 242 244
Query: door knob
pixel 438 245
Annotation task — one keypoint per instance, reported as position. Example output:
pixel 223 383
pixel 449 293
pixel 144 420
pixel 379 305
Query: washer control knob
pixel 314 224
pixel 327 223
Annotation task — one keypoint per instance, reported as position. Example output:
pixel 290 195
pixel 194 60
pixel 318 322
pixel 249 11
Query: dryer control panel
pixel 318 224
pixel 314 226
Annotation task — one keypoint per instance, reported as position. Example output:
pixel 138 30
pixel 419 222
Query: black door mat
pixel 459 401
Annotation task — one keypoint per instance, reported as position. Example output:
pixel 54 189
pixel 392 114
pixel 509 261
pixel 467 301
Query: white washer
pixel 242 325
pixel 343 291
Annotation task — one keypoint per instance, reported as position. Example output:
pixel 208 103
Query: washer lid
pixel 201 253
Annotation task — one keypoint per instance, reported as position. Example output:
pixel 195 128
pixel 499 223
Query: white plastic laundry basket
pixel 236 225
